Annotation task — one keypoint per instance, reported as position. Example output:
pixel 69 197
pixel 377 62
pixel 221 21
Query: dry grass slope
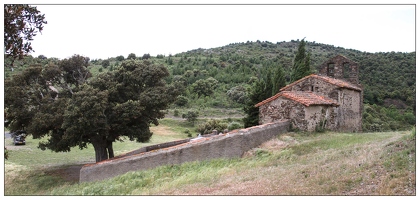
pixel 350 170
pixel 291 164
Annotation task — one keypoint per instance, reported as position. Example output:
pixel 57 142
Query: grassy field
pixel 381 163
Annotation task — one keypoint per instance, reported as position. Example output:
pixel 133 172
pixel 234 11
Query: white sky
pixel 103 31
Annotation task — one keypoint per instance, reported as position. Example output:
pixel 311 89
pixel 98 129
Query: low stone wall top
pixel 151 148
pixel 229 145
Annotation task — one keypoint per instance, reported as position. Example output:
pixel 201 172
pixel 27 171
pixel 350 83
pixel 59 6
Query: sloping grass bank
pixel 292 164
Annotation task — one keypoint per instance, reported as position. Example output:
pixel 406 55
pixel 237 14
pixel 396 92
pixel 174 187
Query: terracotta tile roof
pixel 269 99
pixel 306 98
pixel 337 82
pixel 309 98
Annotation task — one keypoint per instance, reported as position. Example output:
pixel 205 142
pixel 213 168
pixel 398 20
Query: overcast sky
pixel 103 31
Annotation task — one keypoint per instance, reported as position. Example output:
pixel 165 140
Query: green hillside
pixel 217 79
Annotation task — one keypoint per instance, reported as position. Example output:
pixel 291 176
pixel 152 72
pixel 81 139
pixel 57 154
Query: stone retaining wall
pixel 229 145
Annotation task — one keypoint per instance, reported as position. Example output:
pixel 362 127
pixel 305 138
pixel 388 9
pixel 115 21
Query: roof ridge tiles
pixel 306 98
pixel 334 81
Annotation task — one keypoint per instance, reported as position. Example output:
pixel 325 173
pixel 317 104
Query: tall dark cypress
pixel 278 81
pixel 301 64
pixel 268 85
pixel 257 94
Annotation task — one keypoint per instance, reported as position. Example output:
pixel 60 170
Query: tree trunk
pixel 100 150
pixel 110 149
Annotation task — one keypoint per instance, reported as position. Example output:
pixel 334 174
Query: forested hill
pixel 219 77
pixel 387 77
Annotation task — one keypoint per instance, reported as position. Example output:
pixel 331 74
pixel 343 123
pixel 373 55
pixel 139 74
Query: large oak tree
pixel 63 104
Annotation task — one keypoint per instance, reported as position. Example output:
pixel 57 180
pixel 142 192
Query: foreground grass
pixel 292 164
pixel 31 171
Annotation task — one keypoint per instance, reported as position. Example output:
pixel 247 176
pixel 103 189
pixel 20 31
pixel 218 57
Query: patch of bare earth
pixel 162 130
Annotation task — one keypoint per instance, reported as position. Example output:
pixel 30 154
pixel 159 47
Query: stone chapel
pixel 331 100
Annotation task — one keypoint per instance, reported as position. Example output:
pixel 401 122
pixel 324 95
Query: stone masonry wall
pixel 228 145
pixel 314 115
pixel 341 68
pixel 277 110
pixel 350 112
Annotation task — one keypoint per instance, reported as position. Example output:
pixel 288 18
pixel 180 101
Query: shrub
pixel 105 63
pixel 145 56
pixel 237 94
pixel 187 131
pixel 131 56
pixel 120 58
pixel 181 100
pixel 209 126
pixel 410 118
pixel 6 153
pixel 413 133
pixel 176 113
pixel 191 116
pixel 320 128
pixel 234 125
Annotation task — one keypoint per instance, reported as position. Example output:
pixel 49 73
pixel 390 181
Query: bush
pixel 234 125
pixel 181 100
pixel 320 128
pixel 176 113
pixel 191 116
pixel 187 131
pixel 209 126
pixel 105 63
pixel 6 153
pixel 145 56
pixel 237 94
pixel 413 133
pixel 410 118
pixel 120 58
pixel 131 56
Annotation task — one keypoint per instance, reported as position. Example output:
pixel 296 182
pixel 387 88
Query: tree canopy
pixel 301 64
pixel 205 87
pixel 21 23
pixel 131 56
pixel 70 109
pixel 279 80
pixel 258 92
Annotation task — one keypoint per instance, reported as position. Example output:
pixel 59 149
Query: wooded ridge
pixel 220 77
